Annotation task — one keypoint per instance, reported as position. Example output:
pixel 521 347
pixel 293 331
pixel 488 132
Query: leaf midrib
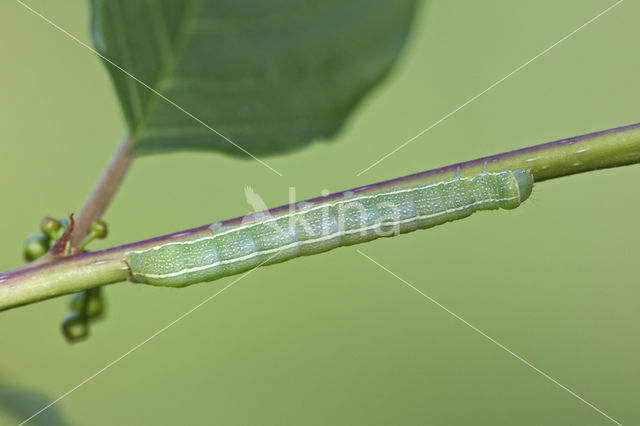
pixel 182 37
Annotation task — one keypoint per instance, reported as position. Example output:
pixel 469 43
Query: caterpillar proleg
pixel 314 228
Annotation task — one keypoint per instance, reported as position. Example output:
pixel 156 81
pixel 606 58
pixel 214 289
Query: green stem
pixel 103 192
pixel 594 151
pixel 67 274
pixel 98 200
pixel 60 276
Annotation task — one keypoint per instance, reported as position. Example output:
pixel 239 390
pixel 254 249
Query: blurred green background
pixel 333 339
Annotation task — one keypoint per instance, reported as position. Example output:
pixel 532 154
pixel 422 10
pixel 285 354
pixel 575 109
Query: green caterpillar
pixel 314 228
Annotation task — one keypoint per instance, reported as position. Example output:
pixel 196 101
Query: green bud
pixel 50 226
pixel 88 302
pixel 35 246
pixel 98 228
pixel 74 327
pixel 95 303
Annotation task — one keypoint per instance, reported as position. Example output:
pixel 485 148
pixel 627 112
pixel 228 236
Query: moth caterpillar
pixel 314 228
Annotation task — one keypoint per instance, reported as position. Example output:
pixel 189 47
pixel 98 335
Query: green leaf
pixel 18 404
pixel 270 75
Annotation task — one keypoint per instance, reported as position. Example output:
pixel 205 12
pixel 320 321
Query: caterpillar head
pixel 524 180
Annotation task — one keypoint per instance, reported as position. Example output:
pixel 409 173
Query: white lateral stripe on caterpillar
pixel 305 211
pixel 316 240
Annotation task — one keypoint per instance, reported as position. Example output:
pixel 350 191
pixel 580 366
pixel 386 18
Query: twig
pixel 66 274
pixel 103 192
